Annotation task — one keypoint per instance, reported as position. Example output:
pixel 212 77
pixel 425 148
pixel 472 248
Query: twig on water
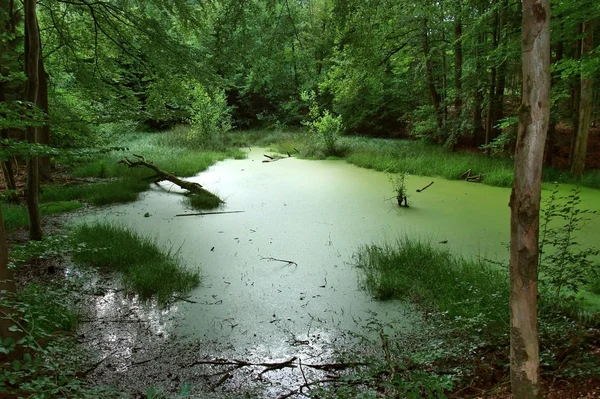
pixel 289 262
pixel 208 213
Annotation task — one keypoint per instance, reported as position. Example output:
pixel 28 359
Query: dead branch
pixel 423 189
pixel 221 380
pixel 208 213
pixel 274 158
pixel 289 262
pixel 193 188
pixel 467 174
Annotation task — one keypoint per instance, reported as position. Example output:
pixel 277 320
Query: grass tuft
pixel 203 200
pixel 433 277
pixel 146 270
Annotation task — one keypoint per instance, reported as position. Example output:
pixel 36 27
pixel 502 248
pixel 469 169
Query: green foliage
pixel 398 181
pixel 49 247
pixel 210 119
pixel 38 370
pixel 505 143
pixel 466 291
pixel 146 270
pixel 322 125
pixel 564 267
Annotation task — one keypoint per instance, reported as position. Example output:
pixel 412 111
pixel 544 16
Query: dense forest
pixel 447 71
pixel 101 99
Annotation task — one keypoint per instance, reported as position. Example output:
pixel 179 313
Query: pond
pixel 281 272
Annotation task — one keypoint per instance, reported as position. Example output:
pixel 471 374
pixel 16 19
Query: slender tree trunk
pixel 576 95
pixel 525 199
pixel 457 77
pixel 7 284
pixel 498 105
pixel 489 123
pixel 433 93
pixel 585 107
pixel 549 152
pixel 44 131
pixel 32 68
pixel 478 129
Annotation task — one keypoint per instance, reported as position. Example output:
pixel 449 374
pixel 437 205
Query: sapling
pixel 563 264
pixel 398 181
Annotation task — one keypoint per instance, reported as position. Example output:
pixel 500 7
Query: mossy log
pixel 161 175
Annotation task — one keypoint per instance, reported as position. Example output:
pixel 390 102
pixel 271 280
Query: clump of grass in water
pixel 436 279
pixel 203 200
pixel 146 270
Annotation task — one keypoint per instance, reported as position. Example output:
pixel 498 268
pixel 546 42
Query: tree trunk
pixel 585 106
pixel 7 284
pixel 576 96
pixel 489 123
pixel 32 69
pixel 457 77
pixel 433 93
pixel 478 129
pixel 549 152
pixel 525 199
pixel 44 131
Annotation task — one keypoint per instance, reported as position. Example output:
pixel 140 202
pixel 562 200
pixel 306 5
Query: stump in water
pixel 193 188
pixel 402 198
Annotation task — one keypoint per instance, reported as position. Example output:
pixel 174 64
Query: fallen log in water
pixel 161 175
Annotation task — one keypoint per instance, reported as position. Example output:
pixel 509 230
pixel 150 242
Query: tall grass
pixel 414 157
pixel 145 269
pixel 463 289
pixel 16 216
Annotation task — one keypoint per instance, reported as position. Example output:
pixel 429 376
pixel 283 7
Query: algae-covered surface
pixel 278 280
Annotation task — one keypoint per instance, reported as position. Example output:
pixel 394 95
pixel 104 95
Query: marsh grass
pixel 464 290
pixel 168 150
pixel 15 216
pixel 145 269
pixel 203 200
pixel 414 157
pixel 100 193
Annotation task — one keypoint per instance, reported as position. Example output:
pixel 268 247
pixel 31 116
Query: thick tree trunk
pixel 32 69
pixel 525 199
pixel 585 107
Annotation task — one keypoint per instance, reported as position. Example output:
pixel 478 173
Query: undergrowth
pixel 399 156
pixel 145 269
pixel 469 298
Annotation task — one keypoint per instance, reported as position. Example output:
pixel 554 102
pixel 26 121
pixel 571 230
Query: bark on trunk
pixel 525 199
pixel 585 107
pixel 33 178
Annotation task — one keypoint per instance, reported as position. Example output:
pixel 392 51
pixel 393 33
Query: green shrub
pixel 210 119
pixel 325 128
